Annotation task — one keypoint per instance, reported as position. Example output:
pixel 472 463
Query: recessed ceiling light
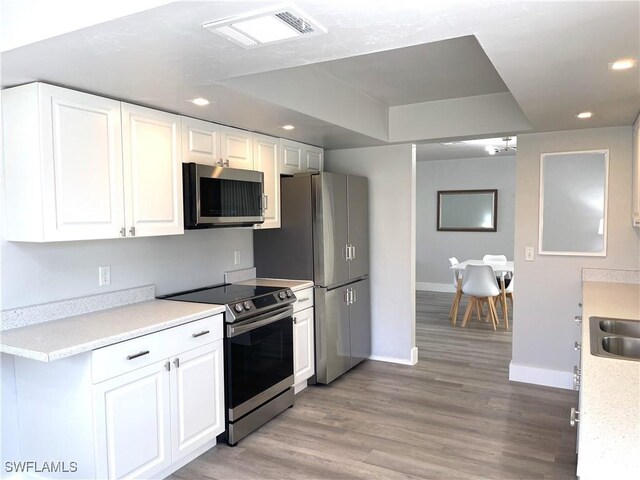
pixel 583 115
pixel 623 64
pixel 266 26
pixel 201 102
pixel 288 127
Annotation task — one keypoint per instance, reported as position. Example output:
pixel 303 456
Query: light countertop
pixel 295 285
pixel 64 337
pixel 609 434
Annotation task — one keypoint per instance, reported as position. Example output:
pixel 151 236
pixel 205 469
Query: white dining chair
pixel 479 282
pixel 453 311
pixel 495 258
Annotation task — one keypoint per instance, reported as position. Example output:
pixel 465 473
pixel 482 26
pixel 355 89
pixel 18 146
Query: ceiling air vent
pixel 262 27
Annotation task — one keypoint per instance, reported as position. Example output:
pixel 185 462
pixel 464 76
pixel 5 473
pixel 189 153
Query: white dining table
pixel 501 270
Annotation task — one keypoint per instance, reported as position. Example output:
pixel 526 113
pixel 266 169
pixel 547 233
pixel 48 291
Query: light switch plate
pixel 529 254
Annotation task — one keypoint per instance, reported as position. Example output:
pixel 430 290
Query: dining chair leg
pixel 505 311
pixel 496 302
pixel 478 304
pixel 468 311
pixel 494 313
pixel 453 313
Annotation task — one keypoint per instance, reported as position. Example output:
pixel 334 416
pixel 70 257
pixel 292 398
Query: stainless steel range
pixel 258 352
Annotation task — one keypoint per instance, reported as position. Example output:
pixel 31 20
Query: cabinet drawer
pixel 123 357
pixel 305 299
pixel 193 334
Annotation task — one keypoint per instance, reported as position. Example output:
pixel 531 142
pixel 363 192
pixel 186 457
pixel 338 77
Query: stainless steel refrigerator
pixel 324 237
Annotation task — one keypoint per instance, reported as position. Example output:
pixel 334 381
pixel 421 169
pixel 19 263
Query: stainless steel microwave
pixel 221 197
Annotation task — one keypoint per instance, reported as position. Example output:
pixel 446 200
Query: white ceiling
pixel 462 149
pixel 449 61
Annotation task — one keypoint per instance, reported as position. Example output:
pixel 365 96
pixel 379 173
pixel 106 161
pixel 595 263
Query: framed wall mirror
pixel 467 210
pixel 573 203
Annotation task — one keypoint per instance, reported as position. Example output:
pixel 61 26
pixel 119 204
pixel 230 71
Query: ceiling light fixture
pixel 266 26
pixel 201 102
pixel 288 127
pixel 583 115
pixel 492 150
pixel 624 64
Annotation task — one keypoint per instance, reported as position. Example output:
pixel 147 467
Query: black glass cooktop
pixel 222 295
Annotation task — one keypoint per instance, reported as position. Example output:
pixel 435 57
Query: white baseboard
pixel 435 287
pixel 298 387
pixel 540 376
pixel 402 361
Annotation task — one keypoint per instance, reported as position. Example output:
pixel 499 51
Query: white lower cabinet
pixel 133 435
pixel 303 339
pixel 141 408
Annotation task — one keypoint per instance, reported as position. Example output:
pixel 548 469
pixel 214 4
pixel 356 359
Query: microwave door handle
pixel 261 321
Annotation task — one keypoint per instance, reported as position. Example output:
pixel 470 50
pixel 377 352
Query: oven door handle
pixel 261 321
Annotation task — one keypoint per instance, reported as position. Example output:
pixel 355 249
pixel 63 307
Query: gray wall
pixel 433 248
pixel 39 273
pixel 391 174
pixel 549 289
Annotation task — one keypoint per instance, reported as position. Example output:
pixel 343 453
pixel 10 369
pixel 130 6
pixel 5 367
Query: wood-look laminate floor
pixel 454 415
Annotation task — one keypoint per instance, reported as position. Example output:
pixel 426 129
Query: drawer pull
pixel 306 299
pixel 196 335
pixel 574 417
pixel 131 357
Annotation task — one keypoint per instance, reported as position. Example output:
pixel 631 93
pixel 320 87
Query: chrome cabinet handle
pixel 578 319
pixel 137 355
pixel 295 320
pixel 176 362
pixel 196 335
pixel 225 163
pixel 576 377
pixel 574 417
pixel 303 299
pixel 123 231
pixel 132 231
pixel 168 366
pixel 577 346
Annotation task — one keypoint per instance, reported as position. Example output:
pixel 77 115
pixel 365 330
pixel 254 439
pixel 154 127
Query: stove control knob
pixel 282 295
pixel 247 305
pixel 238 307
pixel 289 293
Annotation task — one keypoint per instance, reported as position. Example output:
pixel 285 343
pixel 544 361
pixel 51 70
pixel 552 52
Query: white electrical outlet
pixel 236 257
pixel 104 276
pixel 529 254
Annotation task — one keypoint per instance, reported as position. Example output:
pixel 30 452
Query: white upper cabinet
pixel 63 164
pixel 265 158
pixel 153 172
pixel 81 167
pixel 296 157
pixel 200 142
pixel 236 148
pixel 313 158
pixel 636 173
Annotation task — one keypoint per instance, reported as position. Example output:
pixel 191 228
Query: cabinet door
pixel 265 159
pixel 153 172
pixel 82 166
pixel 200 142
pixel 358 208
pixel 360 322
pixel 303 355
pixel 131 417
pixel 236 148
pixel 290 157
pixel 312 158
pixel 197 397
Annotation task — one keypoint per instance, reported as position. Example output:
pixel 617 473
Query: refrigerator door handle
pixel 353 252
pixel 347 252
pixel 346 296
pixel 353 296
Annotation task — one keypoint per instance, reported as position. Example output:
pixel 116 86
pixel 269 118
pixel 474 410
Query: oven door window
pixel 229 198
pixel 259 359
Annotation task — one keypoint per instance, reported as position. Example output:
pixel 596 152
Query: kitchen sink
pixel 615 338
pixel 622 346
pixel 627 328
